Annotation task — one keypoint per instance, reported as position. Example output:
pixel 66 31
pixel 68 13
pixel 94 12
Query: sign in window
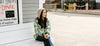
pixel 8 12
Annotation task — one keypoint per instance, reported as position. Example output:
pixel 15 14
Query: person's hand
pixel 46 36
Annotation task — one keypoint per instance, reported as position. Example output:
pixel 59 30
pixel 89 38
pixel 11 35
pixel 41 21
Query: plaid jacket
pixel 39 31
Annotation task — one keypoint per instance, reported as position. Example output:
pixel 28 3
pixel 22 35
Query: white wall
pixel 97 0
pixel 30 8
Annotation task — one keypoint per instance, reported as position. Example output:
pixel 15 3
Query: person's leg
pixel 40 38
pixel 48 42
pixel 51 44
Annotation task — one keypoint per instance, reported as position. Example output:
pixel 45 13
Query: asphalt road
pixel 68 29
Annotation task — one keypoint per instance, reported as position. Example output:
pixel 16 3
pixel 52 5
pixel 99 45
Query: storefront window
pixel 8 12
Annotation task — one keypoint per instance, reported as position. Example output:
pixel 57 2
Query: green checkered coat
pixel 39 31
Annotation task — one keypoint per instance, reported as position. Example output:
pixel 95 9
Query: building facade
pixel 16 22
pixel 93 4
pixel 23 11
pixel 97 4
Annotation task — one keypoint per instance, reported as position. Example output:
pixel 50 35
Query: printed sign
pixel 8 12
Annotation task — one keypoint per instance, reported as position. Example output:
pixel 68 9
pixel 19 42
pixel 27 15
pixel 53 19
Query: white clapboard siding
pixel 18 35
pixel 29 16
pixel 29 8
pixel 28 20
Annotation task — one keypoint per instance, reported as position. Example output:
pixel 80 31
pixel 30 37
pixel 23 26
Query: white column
pixel 86 7
pixel 41 3
pixel 20 12
pixel 62 3
pixel 74 6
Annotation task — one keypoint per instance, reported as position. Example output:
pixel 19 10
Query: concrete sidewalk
pixel 74 29
pixel 90 12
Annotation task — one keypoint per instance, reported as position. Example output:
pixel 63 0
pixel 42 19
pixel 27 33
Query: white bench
pixel 18 35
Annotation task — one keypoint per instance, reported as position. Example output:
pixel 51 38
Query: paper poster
pixel 8 12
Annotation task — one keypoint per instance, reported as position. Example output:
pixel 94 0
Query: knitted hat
pixel 39 12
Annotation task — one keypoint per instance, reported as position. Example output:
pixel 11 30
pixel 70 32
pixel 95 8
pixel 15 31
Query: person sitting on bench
pixel 42 28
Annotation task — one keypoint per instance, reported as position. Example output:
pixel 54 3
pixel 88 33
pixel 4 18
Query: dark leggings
pixel 47 42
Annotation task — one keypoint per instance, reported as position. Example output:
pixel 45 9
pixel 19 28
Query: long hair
pixel 41 22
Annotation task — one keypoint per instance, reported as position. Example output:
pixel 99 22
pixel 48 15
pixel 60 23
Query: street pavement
pixel 69 29
pixel 90 12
